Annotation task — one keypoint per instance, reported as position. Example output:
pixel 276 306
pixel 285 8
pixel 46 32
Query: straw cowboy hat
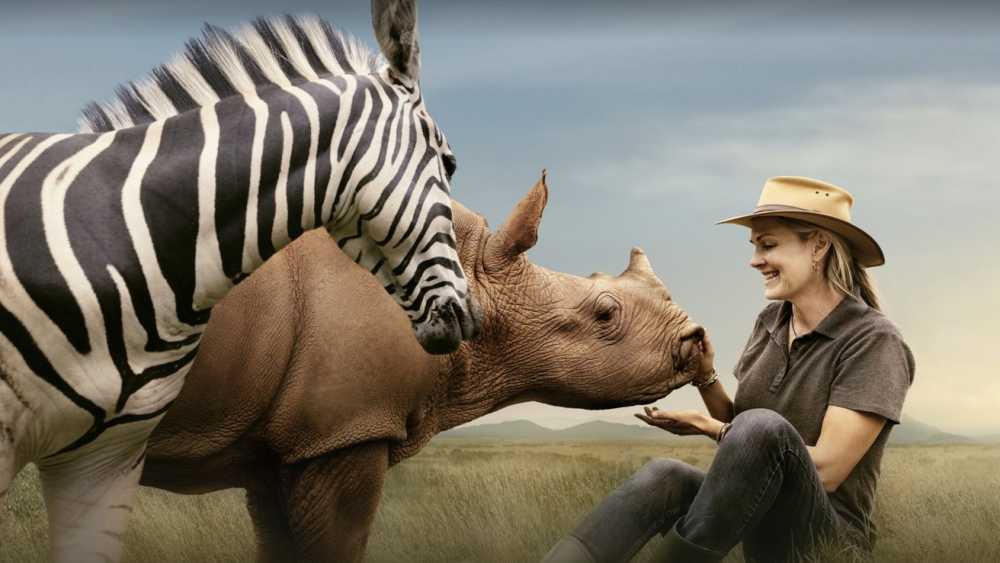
pixel 815 202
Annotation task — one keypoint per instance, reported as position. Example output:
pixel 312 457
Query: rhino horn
pixel 638 264
pixel 520 231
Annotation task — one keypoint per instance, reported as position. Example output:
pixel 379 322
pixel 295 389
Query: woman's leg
pixel 647 503
pixel 762 473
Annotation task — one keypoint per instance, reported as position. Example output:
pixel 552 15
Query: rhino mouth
pixel 687 354
pixel 686 361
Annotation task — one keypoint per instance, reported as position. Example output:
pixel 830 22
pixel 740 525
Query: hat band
pixel 777 207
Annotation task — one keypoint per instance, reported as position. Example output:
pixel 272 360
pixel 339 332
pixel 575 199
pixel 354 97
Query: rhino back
pixel 356 373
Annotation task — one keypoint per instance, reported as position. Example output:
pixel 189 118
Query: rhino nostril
pixel 695 332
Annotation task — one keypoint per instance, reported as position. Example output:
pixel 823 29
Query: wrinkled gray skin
pixel 306 391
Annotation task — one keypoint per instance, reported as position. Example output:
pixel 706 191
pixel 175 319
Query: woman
pixel 821 382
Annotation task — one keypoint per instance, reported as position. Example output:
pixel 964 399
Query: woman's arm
pixel 683 423
pixel 689 422
pixel 871 377
pixel 716 400
pixel 843 440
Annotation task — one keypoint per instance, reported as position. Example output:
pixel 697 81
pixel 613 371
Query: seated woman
pixel 821 382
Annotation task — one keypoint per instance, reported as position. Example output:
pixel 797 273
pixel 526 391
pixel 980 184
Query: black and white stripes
pixel 115 242
pixel 276 52
pixel 122 238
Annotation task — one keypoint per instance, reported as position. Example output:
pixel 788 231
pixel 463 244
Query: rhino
pixel 309 385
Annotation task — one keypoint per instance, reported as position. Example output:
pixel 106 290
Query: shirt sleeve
pixel 873 374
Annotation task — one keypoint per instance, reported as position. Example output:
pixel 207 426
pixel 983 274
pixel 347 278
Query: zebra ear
pixel 520 231
pixel 395 23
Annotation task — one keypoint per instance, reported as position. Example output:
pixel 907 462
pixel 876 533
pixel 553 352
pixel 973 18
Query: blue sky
pixel 655 119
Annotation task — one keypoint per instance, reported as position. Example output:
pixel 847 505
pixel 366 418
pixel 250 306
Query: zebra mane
pixel 276 51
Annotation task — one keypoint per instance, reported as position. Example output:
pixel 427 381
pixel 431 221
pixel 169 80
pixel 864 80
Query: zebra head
pixel 306 128
pixel 399 224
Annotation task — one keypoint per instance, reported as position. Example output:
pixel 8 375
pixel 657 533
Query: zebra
pixel 115 242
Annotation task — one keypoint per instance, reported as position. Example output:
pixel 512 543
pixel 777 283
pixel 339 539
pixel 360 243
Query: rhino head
pixel 596 342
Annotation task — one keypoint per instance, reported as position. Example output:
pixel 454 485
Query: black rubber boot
pixel 569 550
pixel 675 549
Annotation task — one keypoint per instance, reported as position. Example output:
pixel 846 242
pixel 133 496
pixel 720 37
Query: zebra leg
pixel 10 465
pixel 89 494
pixel 7 472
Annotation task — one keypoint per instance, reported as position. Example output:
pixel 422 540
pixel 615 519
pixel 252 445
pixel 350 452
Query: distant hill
pixel 523 430
pixel 513 430
pixel 909 432
pixel 602 430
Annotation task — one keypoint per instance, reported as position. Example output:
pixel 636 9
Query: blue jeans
pixel 762 489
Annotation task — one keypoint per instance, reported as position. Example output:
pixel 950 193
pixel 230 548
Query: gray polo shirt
pixel 855 358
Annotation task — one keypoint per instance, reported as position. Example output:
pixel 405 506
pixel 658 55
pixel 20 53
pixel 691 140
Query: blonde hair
pixel 842 269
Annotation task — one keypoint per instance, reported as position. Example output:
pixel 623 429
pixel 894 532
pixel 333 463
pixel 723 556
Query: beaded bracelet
pixel 711 379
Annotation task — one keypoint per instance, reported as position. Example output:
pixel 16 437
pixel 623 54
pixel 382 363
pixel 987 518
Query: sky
pixel 654 120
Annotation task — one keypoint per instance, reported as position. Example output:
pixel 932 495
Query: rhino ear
pixel 395 23
pixel 520 231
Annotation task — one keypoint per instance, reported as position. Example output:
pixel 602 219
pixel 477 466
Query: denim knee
pixel 667 469
pixel 666 483
pixel 649 502
pixel 761 428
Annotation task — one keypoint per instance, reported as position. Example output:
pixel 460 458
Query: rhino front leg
pixel 270 521
pixel 325 506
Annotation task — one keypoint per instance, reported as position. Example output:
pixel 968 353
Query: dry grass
pixel 164 527
pixel 508 502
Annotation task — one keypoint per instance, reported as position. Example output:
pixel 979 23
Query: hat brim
pixel 866 250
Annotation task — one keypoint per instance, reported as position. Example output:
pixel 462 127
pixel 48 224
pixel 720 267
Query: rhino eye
pixel 606 308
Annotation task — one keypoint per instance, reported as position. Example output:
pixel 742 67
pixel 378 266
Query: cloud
pixel 920 155
pixel 909 138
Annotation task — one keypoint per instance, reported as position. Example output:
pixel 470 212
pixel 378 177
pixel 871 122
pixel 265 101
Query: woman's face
pixel 782 258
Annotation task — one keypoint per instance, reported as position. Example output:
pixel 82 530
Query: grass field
pixel 509 502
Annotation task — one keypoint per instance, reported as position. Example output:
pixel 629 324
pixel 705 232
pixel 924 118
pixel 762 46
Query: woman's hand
pixel 707 364
pixel 682 423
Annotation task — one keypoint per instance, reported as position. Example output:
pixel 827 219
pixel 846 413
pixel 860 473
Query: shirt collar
pixel 779 317
pixel 832 326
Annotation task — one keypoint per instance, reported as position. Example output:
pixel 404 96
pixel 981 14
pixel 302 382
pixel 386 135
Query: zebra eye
pixel 450 165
